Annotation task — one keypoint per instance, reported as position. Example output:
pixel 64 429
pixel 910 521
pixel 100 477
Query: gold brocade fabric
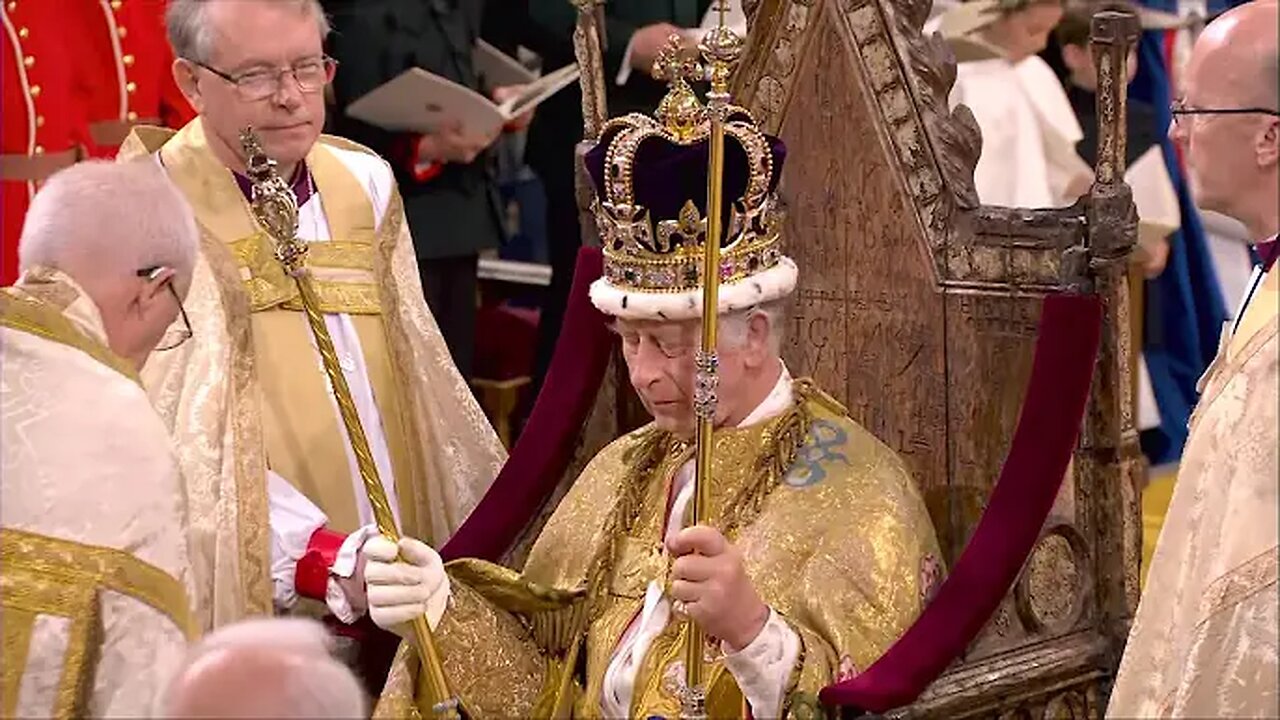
pixel 842 548
pixel 1204 642
pixel 219 395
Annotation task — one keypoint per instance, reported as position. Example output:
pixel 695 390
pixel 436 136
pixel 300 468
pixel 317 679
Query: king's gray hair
pixel 192 38
pixel 734 325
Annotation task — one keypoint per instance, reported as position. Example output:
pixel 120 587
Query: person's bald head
pixel 276 668
pixel 1235 62
pixel 1229 124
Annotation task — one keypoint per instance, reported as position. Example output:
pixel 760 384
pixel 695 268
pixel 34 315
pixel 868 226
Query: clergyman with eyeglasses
pixel 276 497
pixel 1204 641
pixel 94 576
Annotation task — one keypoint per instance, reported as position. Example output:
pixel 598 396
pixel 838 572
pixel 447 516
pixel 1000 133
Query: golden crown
pixel 666 256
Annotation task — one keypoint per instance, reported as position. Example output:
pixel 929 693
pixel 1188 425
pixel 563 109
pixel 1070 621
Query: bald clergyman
pixel 1204 642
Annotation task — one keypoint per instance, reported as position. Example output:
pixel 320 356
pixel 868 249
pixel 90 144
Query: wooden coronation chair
pixel 989 346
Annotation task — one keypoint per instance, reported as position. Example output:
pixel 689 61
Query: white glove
pixel 399 591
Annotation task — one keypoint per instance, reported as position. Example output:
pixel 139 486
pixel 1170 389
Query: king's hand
pixel 709 578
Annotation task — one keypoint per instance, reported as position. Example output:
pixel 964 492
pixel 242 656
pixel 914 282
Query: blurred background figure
pixel 1029 132
pixel 127 72
pixel 76 77
pixel 274 668
pixel 447 178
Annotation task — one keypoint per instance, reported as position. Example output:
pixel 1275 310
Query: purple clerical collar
pixel 1268 251
pixel 301 184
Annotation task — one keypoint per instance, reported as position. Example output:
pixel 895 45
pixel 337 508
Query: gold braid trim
pixel 77 564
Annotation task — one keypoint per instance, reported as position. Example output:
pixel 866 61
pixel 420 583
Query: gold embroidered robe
pixel 248 392
pixel 835 535
pixel 1204 642
pixel 93 564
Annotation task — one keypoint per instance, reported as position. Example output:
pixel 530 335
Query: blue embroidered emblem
pixel 818 451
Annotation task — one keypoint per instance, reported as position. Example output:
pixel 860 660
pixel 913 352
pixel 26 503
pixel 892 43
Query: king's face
pixel 257 36
pixel 660 359
pixel 660 362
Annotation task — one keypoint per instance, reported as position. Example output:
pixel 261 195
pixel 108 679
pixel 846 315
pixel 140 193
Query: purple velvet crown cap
pixel 666 175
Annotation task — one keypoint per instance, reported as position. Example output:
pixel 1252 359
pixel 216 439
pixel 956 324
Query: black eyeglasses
pixel 174 336
pixel 310 75
pixel 1179 108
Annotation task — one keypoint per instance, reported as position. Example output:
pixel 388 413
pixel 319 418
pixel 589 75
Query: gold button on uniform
pixel 24 33
pixel 127 60
pixel 115 4
pixel 39 121
pixel 131 86
pixel 29 60
pixel 12 6
pixel 34 91
pixel 122 31
pixel 39 149
pixel 132 116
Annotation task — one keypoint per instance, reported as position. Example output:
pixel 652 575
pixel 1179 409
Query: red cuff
pixel 311 579
pixel 406 152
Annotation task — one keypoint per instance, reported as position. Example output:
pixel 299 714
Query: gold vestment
pixel 1204 642
pixel 248 392
pixel 835 538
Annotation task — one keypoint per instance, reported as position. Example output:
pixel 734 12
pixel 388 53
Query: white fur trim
pixel 772 284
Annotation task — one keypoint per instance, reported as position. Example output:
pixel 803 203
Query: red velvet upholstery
pixel 546 445
pixel 1066 351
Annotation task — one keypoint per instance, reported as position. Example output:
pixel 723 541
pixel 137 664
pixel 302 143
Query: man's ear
pixel 153 287
pixel 758 332
pixel 1268 145
pixel 184 74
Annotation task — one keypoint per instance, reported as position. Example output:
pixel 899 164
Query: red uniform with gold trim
pixel 43 107
pixel 131 72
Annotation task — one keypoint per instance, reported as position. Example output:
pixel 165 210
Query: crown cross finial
pixel 680 111
pixel 675 64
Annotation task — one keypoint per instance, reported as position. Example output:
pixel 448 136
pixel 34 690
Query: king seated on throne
pixel 818 551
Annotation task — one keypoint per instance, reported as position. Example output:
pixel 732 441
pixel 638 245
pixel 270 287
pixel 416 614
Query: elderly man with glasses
pixel 1204 642
pixel 276 493
pixel 94 575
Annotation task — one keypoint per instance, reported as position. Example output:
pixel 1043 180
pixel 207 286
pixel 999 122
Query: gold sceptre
pixel 276 209
pixel 721 49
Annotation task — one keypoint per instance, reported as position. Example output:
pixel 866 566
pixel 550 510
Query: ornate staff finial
pixel 274 205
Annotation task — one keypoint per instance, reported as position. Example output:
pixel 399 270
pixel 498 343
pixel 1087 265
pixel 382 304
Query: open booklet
pixel 420 101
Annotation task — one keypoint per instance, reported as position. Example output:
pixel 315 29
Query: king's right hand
pixel 403 582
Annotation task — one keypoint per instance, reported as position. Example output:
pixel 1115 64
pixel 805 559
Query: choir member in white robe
pixel 94 580
pixel 1029 131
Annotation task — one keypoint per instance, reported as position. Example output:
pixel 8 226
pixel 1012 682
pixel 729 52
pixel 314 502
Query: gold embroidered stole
pixel 740 467
pixel 40 310
pixel 302 433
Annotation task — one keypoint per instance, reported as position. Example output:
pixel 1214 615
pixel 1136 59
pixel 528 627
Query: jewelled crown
pixel 650 176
